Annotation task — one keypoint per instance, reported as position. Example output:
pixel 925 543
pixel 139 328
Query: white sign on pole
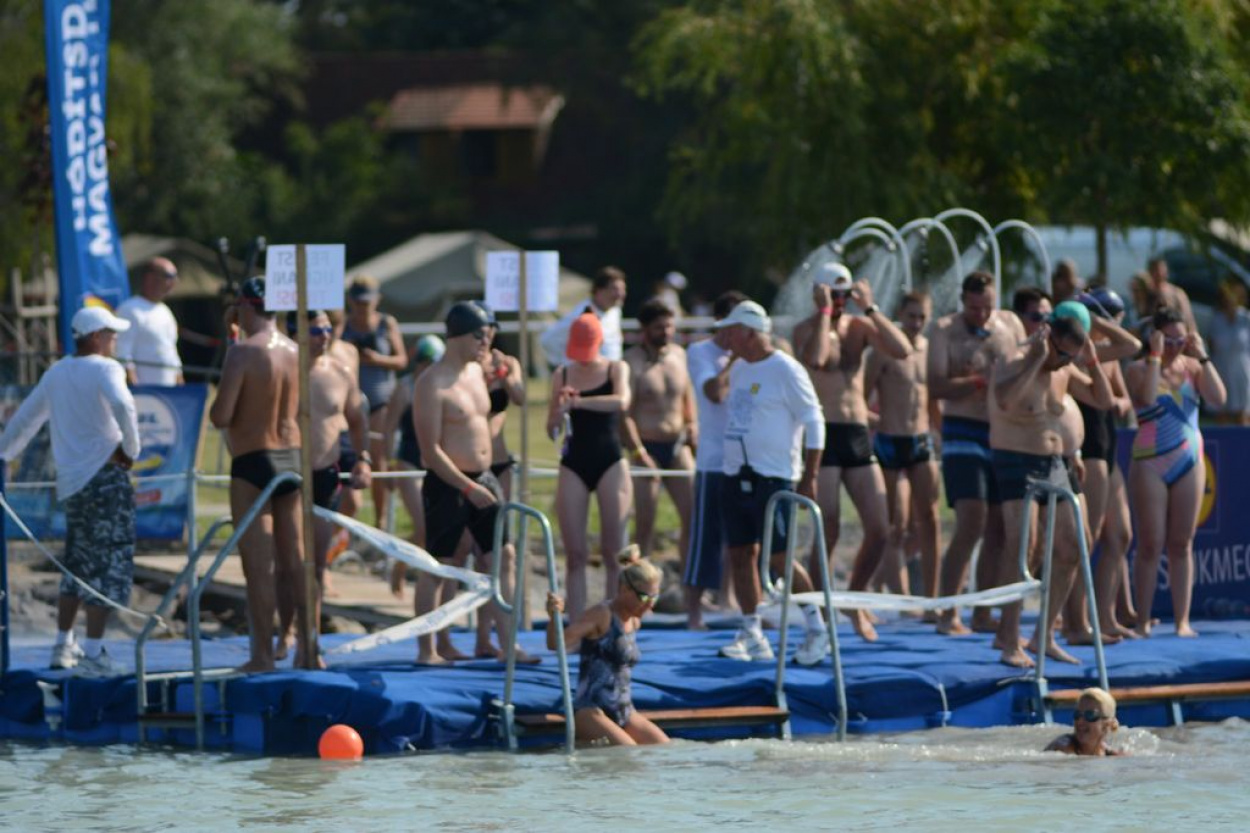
pixel 326 264
pixel 542 279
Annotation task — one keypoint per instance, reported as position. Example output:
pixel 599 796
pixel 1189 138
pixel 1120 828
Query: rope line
pixel 853 600
pixel 91 591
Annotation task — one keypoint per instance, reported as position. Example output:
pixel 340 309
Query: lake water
pixel 947 779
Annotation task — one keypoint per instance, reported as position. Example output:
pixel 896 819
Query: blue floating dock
pixel 911 679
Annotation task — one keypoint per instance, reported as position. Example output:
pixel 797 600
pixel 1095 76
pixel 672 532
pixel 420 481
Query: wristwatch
pixel 871 308
pixel 366 457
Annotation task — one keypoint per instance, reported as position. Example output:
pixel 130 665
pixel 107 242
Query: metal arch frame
pixel 508 714
pixel 795 500
pixel 895 236
pixel 925 224
pixel 1036 237
pixel 995 253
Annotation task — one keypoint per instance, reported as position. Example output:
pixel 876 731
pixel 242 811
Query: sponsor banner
pixel 170 421
pixel 1222 542
pixel 88 248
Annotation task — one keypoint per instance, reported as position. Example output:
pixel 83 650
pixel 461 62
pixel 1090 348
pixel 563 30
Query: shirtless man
pixel 257 404
pixel 1026 434
pixel 660 425
pixel 963 347
pixel 839 383
pixel 904 448
pixel 452 410
pixel 334 406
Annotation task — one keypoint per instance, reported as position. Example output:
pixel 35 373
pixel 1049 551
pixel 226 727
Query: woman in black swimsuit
pixel 506 385
pixel 588 396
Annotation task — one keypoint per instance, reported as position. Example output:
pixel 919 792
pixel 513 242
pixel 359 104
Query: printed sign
pixel 89 261
pixel 170 420
pixel 326 267
pixel 542 281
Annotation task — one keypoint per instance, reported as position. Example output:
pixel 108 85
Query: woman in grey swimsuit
pixel 605 636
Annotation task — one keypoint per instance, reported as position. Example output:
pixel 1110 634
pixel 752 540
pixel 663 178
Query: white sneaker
pixel 65 655
pixel 748 646
pixel 814 649
pixel 101 665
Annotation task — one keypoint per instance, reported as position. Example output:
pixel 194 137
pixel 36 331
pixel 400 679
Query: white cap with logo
pixel 749 314
pixel 90 320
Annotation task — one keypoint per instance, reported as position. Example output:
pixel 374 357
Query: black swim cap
pixel 253 289
pixel 467 317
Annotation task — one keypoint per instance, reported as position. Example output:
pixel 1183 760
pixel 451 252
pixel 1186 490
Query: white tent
pixel 424 276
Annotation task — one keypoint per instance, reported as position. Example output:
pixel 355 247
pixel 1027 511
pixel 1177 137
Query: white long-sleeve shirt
pixel 773 410
pixel 91 411
pixel 556 337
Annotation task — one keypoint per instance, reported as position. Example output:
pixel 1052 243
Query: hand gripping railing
pixel 514 610
pixel 794 501
pixel 193 603
pixel 1053 495
pixel 186 577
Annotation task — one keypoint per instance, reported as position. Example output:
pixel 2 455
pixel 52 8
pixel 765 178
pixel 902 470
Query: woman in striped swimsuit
pixel 1167 477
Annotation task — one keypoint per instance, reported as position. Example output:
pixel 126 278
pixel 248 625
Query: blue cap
pixel 1074 310
pixel 1102 301
pixel 429 349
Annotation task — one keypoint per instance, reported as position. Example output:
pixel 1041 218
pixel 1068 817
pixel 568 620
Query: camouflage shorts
pixel 100 536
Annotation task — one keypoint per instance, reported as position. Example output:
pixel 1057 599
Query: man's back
pixel 266 411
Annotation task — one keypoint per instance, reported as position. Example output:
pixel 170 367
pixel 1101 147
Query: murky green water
pixel 1193 778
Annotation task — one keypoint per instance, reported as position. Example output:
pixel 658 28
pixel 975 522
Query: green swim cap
pixel 1073 309
pixel 429 349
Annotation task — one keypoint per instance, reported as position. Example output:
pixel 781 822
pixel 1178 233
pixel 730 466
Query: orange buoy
pixel 341 743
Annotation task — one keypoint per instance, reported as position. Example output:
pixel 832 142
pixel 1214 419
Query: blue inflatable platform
pixel 911 679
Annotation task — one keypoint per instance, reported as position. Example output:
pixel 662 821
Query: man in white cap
pixel 95 440
pixel 772 412
pixel 832 345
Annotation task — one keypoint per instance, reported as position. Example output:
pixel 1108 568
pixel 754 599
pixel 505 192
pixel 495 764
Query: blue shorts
pixel 901 452
pixel 967 466
pixel 743 510
pixel 706 559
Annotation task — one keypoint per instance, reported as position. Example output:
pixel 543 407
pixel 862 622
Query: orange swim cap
pixel 585 338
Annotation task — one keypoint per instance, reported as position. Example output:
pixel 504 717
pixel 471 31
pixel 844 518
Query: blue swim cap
pixel 1102 301
pixel 429 349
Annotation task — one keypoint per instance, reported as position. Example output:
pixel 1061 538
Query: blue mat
pixel 910 679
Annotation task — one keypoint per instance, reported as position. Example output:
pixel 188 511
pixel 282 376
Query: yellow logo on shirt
pixel 755 388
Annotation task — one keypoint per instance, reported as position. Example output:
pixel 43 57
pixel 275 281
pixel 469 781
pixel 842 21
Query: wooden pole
pixel 521 549
pixel 309 621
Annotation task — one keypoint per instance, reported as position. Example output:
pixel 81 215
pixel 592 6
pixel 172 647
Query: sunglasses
pixel 1062 354
pixel 481 333
pixel 645 598
pixel 839 294
pixel 1035 316
pixel 1090 715
pixel 1175 342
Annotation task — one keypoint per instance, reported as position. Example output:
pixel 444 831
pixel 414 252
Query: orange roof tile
pixel 472 107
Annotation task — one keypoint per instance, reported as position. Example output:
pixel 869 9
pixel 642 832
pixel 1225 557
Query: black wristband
pixel 1204 360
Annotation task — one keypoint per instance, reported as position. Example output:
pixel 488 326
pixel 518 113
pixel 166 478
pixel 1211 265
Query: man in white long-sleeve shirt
pixel 607 293
pixel 95 440
pixel 773 414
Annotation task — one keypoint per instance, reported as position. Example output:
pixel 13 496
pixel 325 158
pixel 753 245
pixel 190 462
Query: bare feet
pixel 953 626
pixel 983 621
pixel 282 647
pixel 1186 631
pixel 1087 638
pixel 1016 658
pixel 450 653
pixel 1000 645
pixel 494 653
pixel 1056 653
pixel 696 626
pixel 862 624
pixel 431 659
pixel 253 666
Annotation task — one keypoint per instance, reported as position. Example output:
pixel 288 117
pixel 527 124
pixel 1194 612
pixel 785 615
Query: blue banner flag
pixel 88 248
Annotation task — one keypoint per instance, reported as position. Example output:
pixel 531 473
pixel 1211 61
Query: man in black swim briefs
pixel 660 426
pixel 257 404
pixel 462 498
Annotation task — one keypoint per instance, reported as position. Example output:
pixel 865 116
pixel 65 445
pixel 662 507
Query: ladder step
pixel 169 720
pixel 1161 693
pixel 536 724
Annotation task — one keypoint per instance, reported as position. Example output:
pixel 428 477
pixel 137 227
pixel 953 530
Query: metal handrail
pixel 795 500
pixel 1054 494
pixel 1036 237
pixel 553 578
pixel 193 603
pixel 186 577
pixel 996 255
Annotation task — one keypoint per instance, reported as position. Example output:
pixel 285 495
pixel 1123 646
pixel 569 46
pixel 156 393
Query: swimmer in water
pixel 605 636
pixel 1092 724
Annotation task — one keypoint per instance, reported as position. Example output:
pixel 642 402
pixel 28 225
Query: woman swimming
pixel 1092 724
pixel 1167 477
pixel 603 708
pixel 588 396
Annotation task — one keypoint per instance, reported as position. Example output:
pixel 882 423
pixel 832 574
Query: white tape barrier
pixel 100 598
pixel 478 585
pixel 851 600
